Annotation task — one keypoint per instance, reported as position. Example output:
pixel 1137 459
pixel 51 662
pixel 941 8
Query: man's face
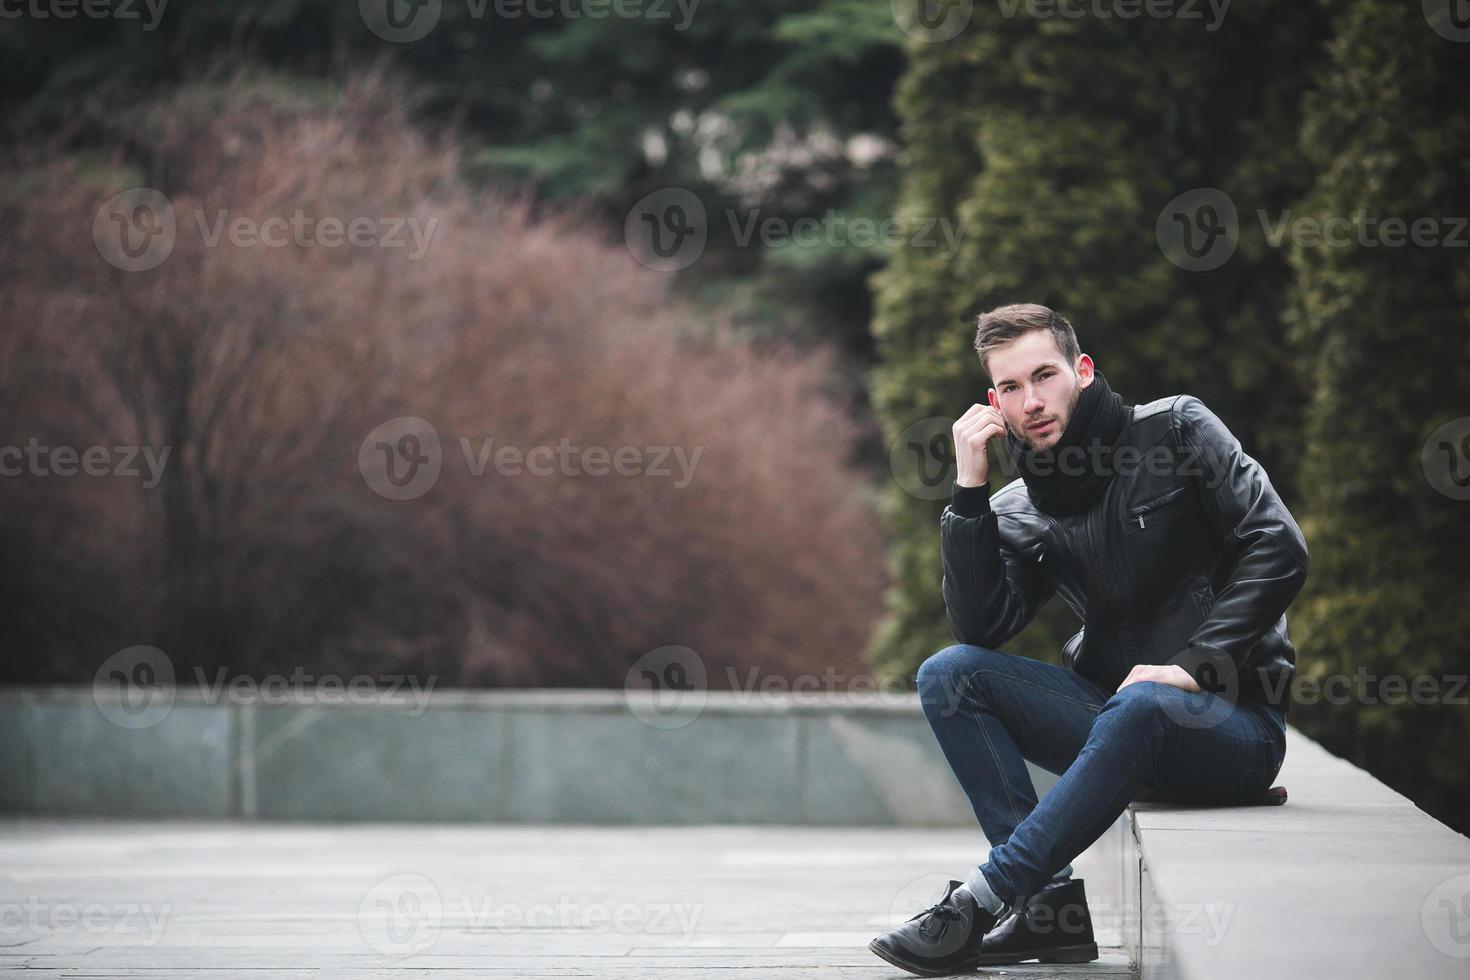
pixel 1035 388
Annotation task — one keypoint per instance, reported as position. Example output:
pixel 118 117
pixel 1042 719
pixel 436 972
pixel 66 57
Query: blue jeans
pixel 992 711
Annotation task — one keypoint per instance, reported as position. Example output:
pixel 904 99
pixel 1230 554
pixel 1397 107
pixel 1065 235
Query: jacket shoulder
pixel 1169 404
pixel 1177 413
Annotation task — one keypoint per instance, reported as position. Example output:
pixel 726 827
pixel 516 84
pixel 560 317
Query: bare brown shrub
pixel 262 369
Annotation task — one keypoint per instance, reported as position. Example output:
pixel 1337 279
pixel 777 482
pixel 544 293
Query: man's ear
pixel 994 398
pixel 1085 370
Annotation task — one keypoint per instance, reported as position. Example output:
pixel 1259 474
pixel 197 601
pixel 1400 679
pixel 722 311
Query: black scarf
pixel 1066 478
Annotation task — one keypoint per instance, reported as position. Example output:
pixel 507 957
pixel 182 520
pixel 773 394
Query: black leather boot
pixel 943 939
pixel 1052 926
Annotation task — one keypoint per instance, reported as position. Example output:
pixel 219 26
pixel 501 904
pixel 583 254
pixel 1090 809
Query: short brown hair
pixel 1005 323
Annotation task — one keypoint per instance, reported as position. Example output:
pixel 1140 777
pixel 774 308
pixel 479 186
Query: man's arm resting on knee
pixel 990 591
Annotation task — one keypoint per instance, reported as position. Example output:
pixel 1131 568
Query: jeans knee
pixel 944 674
pixel 1141 702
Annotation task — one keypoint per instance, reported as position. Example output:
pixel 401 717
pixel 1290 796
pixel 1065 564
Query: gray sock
pixel 984 896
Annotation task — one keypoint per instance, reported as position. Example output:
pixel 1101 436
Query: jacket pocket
pixel 1156 510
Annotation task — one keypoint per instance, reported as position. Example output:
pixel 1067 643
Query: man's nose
pixel 1034 403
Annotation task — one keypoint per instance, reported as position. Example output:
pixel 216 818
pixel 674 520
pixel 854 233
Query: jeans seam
pixel 1095 708
pixel 980 724
pixel 1147 747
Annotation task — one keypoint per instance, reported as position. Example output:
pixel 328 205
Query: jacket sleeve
pixel 990 591
pixel 1264 560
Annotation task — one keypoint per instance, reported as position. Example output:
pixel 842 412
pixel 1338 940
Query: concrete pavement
pixel 90 898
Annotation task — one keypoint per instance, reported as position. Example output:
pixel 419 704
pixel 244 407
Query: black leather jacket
pixel 1188 556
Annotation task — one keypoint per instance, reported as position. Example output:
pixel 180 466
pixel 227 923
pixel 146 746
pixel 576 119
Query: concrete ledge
pixel 1348 879
pixel 481 756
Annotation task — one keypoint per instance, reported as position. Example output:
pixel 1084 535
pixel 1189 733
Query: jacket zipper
pixel 1156 504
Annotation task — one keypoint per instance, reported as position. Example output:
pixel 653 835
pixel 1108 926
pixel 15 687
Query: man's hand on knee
pixel 1171 674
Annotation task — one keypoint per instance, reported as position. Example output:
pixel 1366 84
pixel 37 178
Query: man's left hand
pixel 1171 674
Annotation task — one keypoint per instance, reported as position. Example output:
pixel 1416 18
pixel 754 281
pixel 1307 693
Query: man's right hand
pixel 972 434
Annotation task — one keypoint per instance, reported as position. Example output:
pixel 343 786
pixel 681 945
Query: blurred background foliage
pixel 1056 142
